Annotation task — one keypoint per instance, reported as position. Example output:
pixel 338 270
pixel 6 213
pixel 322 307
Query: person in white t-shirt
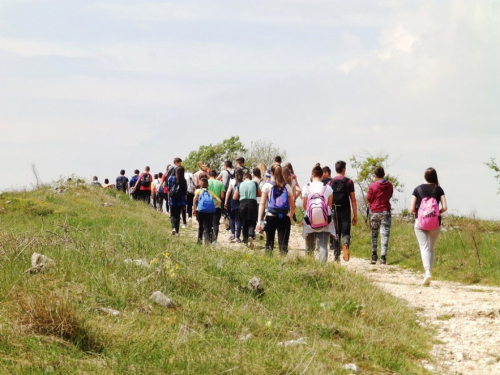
pixel 322 234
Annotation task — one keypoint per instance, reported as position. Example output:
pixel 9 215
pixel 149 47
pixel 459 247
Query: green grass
pixel 468 252
pixel 49 322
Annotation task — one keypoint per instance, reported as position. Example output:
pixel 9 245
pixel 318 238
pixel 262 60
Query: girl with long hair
pixel 277 195
pixel 427 238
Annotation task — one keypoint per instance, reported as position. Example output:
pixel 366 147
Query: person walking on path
pixel 204 209
pixel 177 194
pixel 277 195
pixel 317 197
pixel 232 206
pixel 344 199
pixel 143 186
pixel 425 202
pixel 122 182
pixel 379 198
pixel 216 187
pixel 247 194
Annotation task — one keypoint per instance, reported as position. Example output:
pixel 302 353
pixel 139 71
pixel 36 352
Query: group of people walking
pixel 265 200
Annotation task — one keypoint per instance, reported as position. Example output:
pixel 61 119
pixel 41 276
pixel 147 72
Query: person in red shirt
pixel 144 185
pixel 379 198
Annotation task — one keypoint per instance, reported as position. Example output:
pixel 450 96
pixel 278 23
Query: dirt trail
pixel 467 318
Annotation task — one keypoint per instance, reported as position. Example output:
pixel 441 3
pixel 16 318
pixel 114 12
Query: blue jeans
pixel 234 223
pixel 342 221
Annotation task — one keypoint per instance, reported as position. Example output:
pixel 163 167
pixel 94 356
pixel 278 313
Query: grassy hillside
pixel 51 323
pixel 467 251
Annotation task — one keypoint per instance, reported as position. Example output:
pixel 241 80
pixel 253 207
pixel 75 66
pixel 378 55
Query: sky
pixel 90 87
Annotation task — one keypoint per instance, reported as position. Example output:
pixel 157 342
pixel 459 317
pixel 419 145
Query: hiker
pixel 177 193
pixel 202 170
pixel 240 163
pixel 132 182
pixel 288 170
pixel 160 193
pixel 143 186
pixel 95 181
pixel 155 186
pixel 204 209
pixel 107 185
pixel 190 196
pixel 343 199
pixel 217 188
pixel 318 225
pixel 425 202
pixel 277 195
pixel 247 193
pixel 164 185
pixel 227 174
pixel 122 182
pixel 379 198
pixel 232 206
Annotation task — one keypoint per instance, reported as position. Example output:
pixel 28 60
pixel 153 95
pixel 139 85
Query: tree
pixel 364 166
pixel 493 166
pixel 215 155
pixel 263 151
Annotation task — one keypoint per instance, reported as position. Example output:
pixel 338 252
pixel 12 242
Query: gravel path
pixel 466 318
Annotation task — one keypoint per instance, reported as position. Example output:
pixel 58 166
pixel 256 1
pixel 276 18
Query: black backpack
pixel 121 183
pixel 231 176
pixel 340 196
pixel 175 192
pixel 145 180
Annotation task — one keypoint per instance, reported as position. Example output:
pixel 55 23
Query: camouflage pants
pixel 380 221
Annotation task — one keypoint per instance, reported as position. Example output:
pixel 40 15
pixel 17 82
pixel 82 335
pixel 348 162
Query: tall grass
pixel 51 322
pixel 467 251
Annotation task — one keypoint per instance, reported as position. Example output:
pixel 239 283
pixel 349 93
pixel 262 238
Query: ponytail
pixel 279 179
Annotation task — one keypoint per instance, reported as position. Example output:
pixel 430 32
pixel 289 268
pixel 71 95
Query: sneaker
pixel 238 240
pixel 232 238
pixel 375 258
pixel 173 232
pixel 383 260
pixel 251 245
pixel 345 253
pixel 213 243
pixel 183 226
pixel 427 278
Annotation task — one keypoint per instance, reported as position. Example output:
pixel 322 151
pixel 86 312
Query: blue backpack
pixel 278 201
pixel 206 202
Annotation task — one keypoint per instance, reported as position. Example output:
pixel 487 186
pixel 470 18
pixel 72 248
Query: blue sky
pixel 90 87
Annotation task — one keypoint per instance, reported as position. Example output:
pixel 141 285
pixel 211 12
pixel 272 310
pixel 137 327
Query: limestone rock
pixel 255 285
pixel 138 262
pixel 108 311
pixel 351 367
pixel 40 263
pixel 300 341
pixel 161 299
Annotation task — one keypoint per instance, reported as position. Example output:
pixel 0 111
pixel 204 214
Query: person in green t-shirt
pixel 216 187
pixel 247 192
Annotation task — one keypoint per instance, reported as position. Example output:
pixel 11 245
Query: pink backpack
pixel 428 212
pixel 317 208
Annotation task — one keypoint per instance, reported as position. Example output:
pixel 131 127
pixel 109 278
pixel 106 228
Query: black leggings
pixel 283 225
pixel 175 217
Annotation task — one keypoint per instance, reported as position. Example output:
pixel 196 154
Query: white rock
pixel 255 285
pixel 459 356
pixel 161 299
pixel 138 262
pixel 246 337
pixel 430 368
pixel 351 367
pixel 300 341
pixel 491 361
pixel 109 311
